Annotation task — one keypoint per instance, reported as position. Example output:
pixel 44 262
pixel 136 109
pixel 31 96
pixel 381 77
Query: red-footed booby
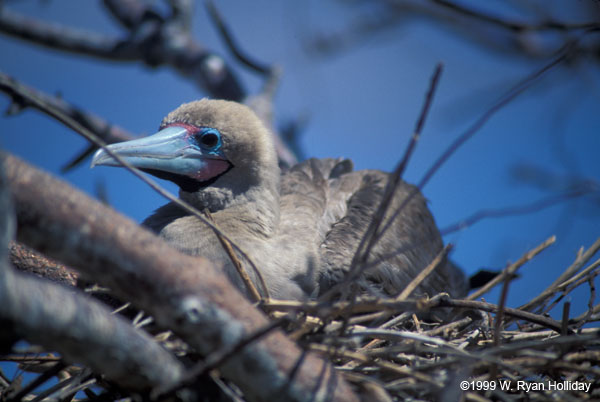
pixel 301 228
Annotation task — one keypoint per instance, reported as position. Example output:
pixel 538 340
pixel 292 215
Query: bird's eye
pixel 209 139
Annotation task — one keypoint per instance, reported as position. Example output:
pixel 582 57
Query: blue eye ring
pixel 209 139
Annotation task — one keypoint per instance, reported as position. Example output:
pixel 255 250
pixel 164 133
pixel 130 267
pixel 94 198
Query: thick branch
pixel 84 331
pixel 187 295
pixel 25 259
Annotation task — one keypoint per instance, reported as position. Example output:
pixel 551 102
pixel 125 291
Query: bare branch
pixel 230 41
pixel 127 12
pixel 84 331
pixel 25 259
pixel 370 237
pixel 512 268
pixel 564 277
pixel 530 208
pixel 25 96
pixel 504 100
pixel 64 38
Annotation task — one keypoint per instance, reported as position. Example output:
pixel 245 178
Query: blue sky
pixel 361 104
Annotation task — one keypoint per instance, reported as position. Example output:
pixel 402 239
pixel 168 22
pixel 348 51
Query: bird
pixel 301 226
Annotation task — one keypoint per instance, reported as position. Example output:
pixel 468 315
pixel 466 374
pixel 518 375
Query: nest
pixel 437 348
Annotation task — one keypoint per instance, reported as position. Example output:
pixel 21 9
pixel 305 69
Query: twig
pixel 550 290
pixel 535 206
pixel 238 266
pixel 437 261
pixel 504 100
pixel 442 300
pixel 225 32
pixel 369 238
pixel 26 96
pixel 216 359
pixel 39 380
pixel 511 269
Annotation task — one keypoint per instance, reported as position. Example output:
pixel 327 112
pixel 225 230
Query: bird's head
pixel 215 151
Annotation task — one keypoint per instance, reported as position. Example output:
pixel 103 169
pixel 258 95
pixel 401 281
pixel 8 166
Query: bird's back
pixel 335 204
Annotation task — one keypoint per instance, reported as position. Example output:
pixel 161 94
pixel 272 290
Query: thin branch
pixel 217 359
pixel 437 261
pixel 60 37
pixel 569 272
pixel 504 100
pixel 26 96
pixel 511 269
pixel 369 238
pixel 442 300
pixel 532 207
pixel 514 25
pixel 227 36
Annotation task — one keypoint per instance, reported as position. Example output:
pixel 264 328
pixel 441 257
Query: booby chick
pixel 301 228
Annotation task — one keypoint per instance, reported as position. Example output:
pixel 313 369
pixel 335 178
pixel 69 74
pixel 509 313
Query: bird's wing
pixel 310 202
pixel 408 246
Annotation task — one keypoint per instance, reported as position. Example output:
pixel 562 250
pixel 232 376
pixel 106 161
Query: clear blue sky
pixel 361 104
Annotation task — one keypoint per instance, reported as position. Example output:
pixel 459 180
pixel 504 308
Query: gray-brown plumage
pixel 301 228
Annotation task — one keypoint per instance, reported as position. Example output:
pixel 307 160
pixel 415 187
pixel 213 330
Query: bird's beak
pixel 168 152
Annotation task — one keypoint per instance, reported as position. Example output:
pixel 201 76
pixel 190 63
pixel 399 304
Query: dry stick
pixel 238 265
pixel 411 287
pixel 590 302
pixel 504 100
pixel 368 240
pixel 39 380
pixel 439 258
pixel 215 16
pixel 500 313
pixel 565 318
pixel 516 313
pixel 515 26
pixel 216 359
pixel 580 275
pixel 90 136
pixel 394 368
pixel 511 269
pixel 439 301
pixel 62 385
pixel 21 94
pixel 550 290
pixel 565 290
pixel 535 206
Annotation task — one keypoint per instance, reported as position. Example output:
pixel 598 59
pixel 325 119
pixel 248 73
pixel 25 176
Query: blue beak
pixel 170 154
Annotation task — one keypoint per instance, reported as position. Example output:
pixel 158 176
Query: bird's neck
pixel 241 209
